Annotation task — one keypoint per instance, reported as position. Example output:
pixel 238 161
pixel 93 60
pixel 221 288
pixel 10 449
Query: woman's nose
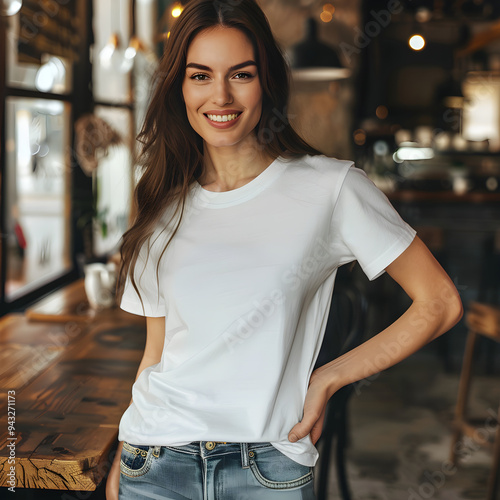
pixel 222 93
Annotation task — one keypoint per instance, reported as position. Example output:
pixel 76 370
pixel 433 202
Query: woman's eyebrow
pixel 232 68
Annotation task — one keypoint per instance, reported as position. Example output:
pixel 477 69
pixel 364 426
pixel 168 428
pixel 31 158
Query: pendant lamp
pixel 111 56
pixel 314 61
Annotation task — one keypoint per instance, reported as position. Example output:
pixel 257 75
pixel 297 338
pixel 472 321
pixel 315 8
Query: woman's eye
pixel 240 76
pixel 198 77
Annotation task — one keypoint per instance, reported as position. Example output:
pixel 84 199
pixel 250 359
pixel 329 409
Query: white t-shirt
pixel 245 287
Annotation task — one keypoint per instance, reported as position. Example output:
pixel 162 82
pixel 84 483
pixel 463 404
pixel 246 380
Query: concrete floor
pixel 400 434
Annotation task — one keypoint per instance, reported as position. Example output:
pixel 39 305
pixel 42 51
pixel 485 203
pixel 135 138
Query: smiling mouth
pixel 222 118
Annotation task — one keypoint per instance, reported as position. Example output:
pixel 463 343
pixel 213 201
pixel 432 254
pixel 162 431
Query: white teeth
pixel 223 118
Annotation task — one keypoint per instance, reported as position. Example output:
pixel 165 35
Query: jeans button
pixel 209 445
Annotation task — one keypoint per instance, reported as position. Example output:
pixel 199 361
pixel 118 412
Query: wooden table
pixel 71 376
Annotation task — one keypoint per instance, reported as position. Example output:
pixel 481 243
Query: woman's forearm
pixel 436 307
pixel 422 322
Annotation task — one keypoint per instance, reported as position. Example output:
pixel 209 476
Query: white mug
pixel 100 281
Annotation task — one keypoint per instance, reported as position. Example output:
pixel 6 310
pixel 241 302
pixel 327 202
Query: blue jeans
pixel 208 470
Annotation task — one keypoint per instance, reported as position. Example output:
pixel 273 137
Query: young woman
pixel 232 258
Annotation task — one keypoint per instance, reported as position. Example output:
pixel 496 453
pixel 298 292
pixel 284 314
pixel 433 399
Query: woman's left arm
pixel 435 308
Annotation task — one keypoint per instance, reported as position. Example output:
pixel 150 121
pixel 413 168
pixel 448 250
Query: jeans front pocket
pixel 275 470
pixel 135 460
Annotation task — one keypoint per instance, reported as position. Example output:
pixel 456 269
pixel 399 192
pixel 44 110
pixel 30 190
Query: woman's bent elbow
pixel 451 312
pixel 454 310
pixel 450 307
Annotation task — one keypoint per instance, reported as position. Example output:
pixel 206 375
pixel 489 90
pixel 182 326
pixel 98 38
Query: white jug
pixel 100 282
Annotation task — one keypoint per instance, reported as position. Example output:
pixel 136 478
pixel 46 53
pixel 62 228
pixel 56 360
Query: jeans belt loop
pixel 245 464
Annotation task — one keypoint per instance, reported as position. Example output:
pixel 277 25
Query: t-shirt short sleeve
pixel 147 283
pixel 366 226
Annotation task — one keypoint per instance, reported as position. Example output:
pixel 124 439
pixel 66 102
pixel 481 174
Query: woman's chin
pixel 242 143
pixel 221 144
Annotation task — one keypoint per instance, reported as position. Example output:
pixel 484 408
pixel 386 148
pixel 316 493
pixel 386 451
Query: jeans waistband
pixel 206 449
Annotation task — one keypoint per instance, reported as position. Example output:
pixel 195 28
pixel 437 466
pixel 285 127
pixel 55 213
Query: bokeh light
pixel 416 42
pixel 359 137
pixel 176 10
pixel 381 112
pixel 326 17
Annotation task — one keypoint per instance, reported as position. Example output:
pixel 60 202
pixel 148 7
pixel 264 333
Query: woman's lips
pixel 222 121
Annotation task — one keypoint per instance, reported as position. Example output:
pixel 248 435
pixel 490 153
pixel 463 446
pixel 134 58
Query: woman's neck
pixel 228 168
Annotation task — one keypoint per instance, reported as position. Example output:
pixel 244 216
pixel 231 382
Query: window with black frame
pixel 40 47
pixel 75 80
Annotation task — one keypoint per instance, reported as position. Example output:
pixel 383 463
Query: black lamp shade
pixel 314 60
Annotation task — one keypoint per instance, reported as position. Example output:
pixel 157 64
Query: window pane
pixel 111 67
pixel 112 182
pixel 31 63
pixel 37 193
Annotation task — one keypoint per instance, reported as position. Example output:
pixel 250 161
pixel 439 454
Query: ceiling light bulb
pixel 110 56
pixel 177 10
pixel 134 46
pixel 51 76
pixel 10 7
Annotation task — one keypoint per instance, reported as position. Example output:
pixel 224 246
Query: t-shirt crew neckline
pixel 219 199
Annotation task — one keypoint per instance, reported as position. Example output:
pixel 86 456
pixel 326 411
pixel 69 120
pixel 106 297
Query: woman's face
pixel 221 87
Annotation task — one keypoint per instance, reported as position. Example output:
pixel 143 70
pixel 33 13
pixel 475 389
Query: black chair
pixel 344 331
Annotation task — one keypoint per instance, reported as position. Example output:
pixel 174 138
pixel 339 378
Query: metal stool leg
pixel 463 394
pixel 494 481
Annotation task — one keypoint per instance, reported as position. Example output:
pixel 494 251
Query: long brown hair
pixel 172 152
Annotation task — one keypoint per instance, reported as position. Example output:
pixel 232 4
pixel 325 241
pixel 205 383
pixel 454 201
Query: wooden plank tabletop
pixel 71 383
pixel 67 304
